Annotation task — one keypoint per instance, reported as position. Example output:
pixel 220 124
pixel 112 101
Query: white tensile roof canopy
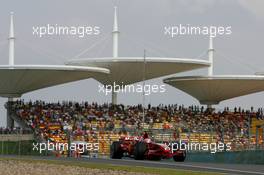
pixel 16 80
pixel 211 90
pixel 129 70
pixel 19 79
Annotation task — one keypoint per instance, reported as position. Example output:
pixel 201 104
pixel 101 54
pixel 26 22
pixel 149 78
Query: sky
pixel 141 25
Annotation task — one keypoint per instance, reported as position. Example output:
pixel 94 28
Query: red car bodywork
pixel 153 151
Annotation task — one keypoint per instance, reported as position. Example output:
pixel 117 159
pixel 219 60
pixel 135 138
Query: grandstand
pixel 103 124
pixel 13 85
pixel 93 123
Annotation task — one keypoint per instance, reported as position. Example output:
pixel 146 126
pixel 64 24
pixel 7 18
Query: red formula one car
pixel 141 148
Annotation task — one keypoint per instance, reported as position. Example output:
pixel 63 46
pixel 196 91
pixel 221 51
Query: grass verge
pixel 139 169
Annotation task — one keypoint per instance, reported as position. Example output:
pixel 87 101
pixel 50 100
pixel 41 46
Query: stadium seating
pixel 106 123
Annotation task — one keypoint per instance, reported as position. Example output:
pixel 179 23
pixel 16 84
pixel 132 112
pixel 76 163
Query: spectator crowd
pixel 51 120
pixel 14 130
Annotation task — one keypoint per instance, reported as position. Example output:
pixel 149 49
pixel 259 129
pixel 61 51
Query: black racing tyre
pixel 180 158
pixel 140 150
pixel 115 151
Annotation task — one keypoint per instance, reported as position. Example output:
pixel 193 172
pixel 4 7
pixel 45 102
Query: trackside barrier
pixel 237 157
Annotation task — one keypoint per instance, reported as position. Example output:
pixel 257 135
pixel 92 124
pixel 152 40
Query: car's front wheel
pixel 140 150
pixel 115 151
pixel 179 158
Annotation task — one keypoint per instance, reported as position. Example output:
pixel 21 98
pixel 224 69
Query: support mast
pixel 211 60
pixel 115 35
pixel 211 57
pixel 144 79
pixel 11 39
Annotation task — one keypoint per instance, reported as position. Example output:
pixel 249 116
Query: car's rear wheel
pixel 140 150
pixel 179 158
pixel 115 151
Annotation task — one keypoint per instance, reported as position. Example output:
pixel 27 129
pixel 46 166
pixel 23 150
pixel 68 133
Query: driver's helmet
pixel 145 135
pixel 147 140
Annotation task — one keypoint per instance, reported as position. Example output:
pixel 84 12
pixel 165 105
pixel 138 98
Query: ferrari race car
pixel 144 148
